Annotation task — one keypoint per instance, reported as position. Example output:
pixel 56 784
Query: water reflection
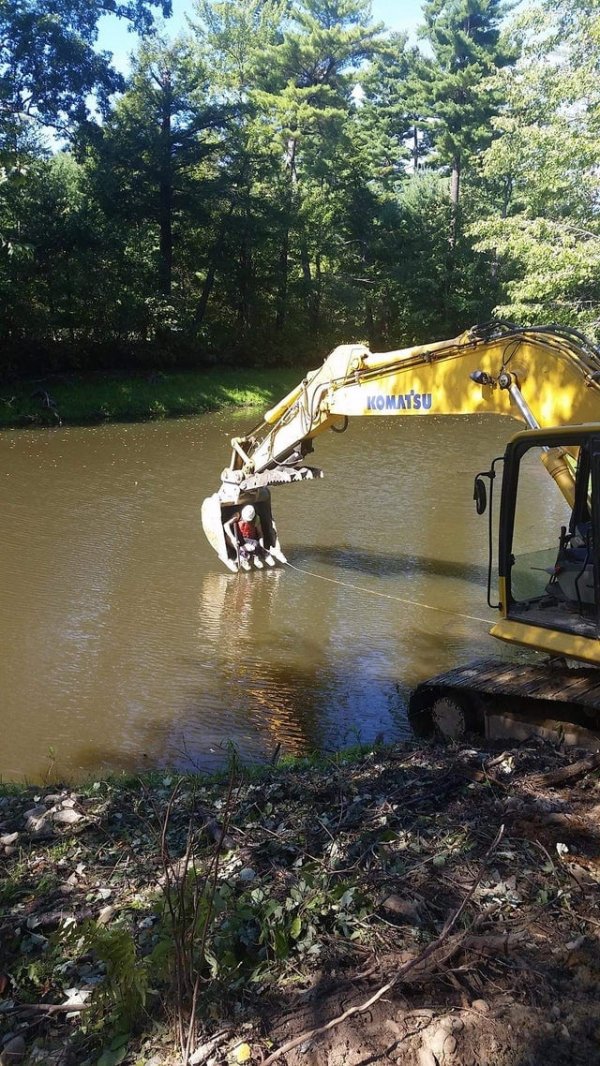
pixel 236 620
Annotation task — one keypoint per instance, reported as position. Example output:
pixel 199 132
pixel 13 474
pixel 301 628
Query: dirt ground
pixel 518 983
pixel 420 905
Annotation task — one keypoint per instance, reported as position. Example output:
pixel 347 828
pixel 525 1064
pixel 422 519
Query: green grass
pixel 106 783
pixel 79 399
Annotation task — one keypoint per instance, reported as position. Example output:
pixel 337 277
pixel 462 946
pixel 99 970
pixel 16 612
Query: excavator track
pixel 510 700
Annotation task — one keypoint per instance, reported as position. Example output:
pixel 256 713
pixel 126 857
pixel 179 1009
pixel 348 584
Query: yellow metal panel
pixel 552 384
pixel 549 640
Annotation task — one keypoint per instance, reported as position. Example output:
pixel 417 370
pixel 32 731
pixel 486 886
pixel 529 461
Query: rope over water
pixel 388 596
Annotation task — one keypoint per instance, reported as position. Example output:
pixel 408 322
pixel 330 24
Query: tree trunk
pixel 312 288
pixel 452 235
pixel 244 272
pixel 284 252
pixel 370 323
pixel 165 263
pixel 282 288
pixel 454 202
pixel 317 294
pixel 207 289
pixel 308 281
pixel 209 280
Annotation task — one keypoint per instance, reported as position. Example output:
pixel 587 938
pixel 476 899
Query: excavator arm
pixel 543 376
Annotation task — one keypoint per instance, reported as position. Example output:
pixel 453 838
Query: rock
pixel 13 1051
pixel 404 910
pixel 8 839
pixel 480 1006
pixel 437 1041
pixel 35 813
pixel 35 819
pixel 426 1057
pixel 586 878
pixel 66 816
pixel 106 915
pixel 451 1024
pixel 42 830
pixel 450 1045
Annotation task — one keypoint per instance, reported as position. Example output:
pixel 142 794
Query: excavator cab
pixel 548 561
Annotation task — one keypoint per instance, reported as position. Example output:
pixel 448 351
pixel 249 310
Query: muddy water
pixel 123 644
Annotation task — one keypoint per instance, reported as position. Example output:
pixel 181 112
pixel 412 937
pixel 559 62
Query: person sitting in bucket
pixel 245 534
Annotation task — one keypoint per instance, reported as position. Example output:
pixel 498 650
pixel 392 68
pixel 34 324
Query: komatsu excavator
pixel 549 599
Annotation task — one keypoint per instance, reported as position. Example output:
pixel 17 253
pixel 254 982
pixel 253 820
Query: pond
pixel 124 643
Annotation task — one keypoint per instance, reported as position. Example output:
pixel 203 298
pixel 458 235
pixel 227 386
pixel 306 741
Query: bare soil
pixel 446 902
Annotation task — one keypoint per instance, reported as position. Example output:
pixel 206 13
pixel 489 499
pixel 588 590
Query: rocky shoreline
pixel 413 904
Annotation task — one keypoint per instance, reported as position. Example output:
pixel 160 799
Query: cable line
pixel 388 596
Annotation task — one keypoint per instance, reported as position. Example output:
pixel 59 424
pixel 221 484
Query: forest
pixel 286 175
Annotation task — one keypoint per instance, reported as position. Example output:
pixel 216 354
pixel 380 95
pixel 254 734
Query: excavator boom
pixel 543 376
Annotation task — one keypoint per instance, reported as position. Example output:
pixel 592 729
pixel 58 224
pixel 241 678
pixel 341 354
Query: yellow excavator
pixel 549 598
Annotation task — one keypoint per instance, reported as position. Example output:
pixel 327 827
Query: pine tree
pixel 161 130
pixel 467 48
pixel 324 44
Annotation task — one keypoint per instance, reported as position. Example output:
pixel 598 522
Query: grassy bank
pixel 78 400
pixel 414 904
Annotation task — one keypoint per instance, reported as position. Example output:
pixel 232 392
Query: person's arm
pixel 230 532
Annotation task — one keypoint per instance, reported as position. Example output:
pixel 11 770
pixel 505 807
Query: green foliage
pixel 276 180
pixel 128 398
pixel 467 46
pixel 543 164
pixel 120 998
pixel 250 934
pixel 48 62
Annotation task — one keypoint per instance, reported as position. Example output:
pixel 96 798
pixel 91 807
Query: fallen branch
pixel 482 777
pixel 46 1008
pixel 482 944
pixel 566 774
pixel 310 1034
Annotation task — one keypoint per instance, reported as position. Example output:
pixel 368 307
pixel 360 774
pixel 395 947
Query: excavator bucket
pixel 237 491
pixel 216 512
